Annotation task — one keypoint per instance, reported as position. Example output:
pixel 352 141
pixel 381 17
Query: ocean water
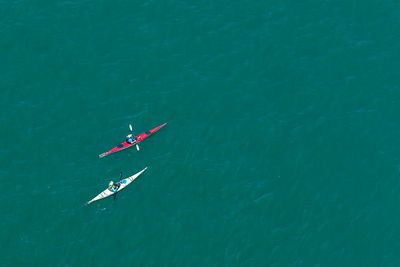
pixel 281 149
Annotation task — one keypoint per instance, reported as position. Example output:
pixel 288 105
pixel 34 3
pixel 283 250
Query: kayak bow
pixel 124 183
pixel 139 138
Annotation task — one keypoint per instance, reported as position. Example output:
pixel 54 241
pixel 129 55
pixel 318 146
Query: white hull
pixel 124 183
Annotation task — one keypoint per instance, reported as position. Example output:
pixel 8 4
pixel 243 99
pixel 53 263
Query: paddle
pixel 137 146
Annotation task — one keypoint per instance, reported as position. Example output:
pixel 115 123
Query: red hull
pixel 139 138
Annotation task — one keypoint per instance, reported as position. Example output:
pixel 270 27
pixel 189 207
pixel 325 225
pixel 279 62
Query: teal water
pixel 282 147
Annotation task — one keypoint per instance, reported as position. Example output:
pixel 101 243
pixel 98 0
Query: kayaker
pixel 130 138
pixel 113 187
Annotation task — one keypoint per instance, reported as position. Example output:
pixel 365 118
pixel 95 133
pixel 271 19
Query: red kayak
pixel 139 138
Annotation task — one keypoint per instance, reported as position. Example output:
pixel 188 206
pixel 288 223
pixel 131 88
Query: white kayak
pixel 124 183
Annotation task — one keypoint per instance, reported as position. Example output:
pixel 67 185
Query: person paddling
pixel 113 187
pixel 130 138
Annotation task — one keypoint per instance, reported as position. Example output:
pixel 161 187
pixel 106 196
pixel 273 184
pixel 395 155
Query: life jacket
pixel 130 138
